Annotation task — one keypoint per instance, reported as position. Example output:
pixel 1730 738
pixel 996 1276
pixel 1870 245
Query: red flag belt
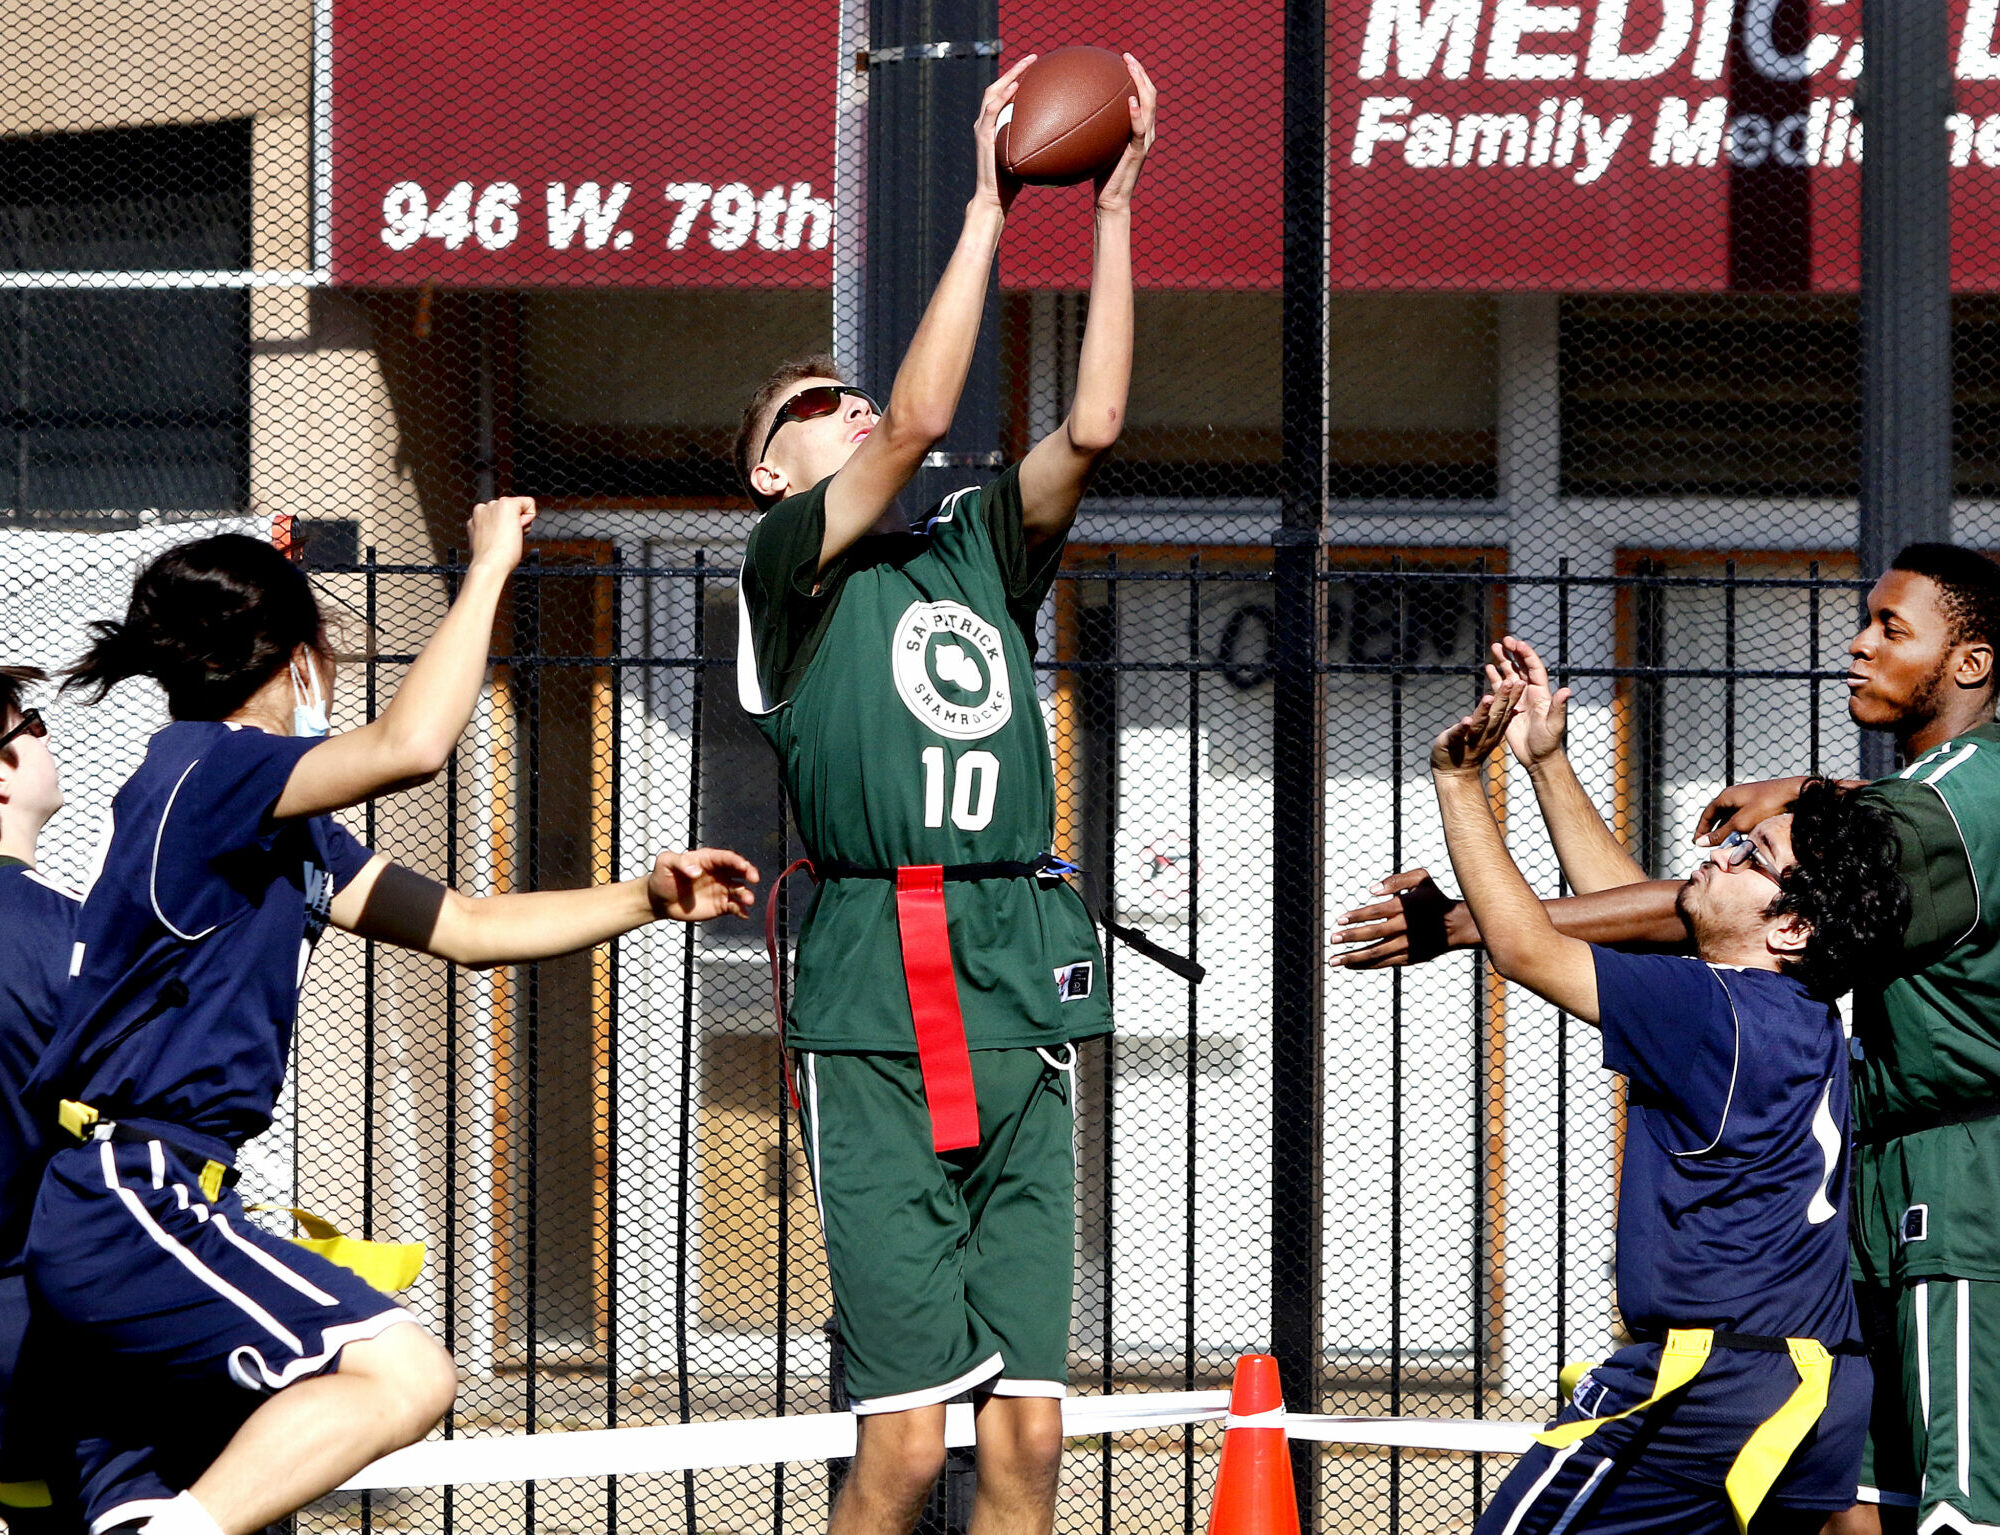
pixel 942 1053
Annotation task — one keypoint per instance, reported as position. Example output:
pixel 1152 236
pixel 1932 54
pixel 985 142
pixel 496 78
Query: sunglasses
pixel 32 724
pixel 810 404
pixel 1738 848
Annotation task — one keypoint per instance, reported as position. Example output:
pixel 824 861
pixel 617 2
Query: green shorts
pixel 951 1272
pixel 1934 1440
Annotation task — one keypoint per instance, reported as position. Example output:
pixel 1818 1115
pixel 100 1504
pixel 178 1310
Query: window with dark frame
pixel 115 401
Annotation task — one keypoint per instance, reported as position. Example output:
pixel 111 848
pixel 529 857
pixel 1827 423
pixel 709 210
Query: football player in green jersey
pixel 945 968
pixel 1926 1200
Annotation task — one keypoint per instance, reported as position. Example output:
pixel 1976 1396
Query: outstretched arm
pixel 410 741
pixel 1592 858
pixel 924 397
pixel 1522 942
pixel 400 906
pixel 1057 469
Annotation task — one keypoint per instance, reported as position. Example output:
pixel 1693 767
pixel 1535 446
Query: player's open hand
pixel 1114 187
pixel 497 530
pixel 1414 921
pixel 1465 746
pixel 1742 806
pixel 996 188
pixel 1536 733
pixel 702 883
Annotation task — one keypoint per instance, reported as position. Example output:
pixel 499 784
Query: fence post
pixel 929 63
pixel 1298 739
pixel 1906 394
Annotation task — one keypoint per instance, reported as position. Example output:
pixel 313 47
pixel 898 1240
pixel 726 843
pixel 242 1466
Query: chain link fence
pixel 1585 298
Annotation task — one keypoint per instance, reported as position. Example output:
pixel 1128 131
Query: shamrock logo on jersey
pixel 950 668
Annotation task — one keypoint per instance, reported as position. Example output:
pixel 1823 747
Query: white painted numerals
pixel 975 779
pixel 408 217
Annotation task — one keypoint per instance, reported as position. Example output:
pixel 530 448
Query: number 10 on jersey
pixel 975 779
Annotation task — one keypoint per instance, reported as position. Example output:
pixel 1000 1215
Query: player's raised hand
pixel 1742 806
pixel 1414 921
pixel 995 187
pixel 1465 746
pixel 1114 187
pixel 702 883
pixel 497 530
pixel 1536 733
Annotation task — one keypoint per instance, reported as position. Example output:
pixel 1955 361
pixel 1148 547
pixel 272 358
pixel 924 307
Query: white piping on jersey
pixel 48 884
pixel 1951 763
pixel 1978 909
pixel 187 1260
pixel 153 877
pixel 1735 1067
pixel 1822 1209
pixel 749 686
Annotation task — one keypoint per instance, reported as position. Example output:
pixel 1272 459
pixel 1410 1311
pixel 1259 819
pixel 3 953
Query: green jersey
pixel 897 687
pixel 1927 1038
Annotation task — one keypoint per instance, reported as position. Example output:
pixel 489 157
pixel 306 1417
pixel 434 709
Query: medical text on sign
pixel 596 216
pixel 1525 40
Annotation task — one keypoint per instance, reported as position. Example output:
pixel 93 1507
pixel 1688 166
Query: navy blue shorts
pixel 198 1313
pixel 1662 1470
pixel 51 1393
pixel 19 1454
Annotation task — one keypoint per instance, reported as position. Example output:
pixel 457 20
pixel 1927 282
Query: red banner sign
pixel 595 142
pixel 1625 144
pixel 1479 144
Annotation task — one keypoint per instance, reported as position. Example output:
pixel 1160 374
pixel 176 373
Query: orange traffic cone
pixel 1253 1488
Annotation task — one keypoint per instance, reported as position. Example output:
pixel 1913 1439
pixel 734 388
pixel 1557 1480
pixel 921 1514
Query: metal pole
pixel 928 63
pixel 1298 851
pixel 1905 291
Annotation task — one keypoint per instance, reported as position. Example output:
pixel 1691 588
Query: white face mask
pixel 308 706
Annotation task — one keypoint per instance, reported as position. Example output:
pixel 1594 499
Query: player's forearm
pixel 1511 919
pixel 541 924
pixel 1640 913
pixel 1104 362
pixel 924 397
pixel 1592 858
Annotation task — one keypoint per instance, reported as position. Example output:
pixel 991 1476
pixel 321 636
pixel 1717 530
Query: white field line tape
pixel 1478 1435
pixel 732 1442
pixel 600 1452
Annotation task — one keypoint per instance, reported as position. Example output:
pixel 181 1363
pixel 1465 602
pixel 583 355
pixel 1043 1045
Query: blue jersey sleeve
pixel 1670 1028
pixel 345 855
pixel 219 812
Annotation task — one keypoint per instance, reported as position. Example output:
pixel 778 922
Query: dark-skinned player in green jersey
pixel 1926 1221
pixel 945 969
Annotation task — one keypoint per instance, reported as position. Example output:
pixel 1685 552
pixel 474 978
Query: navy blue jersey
pixel 194 938
pixel 37 928
pixel 1732 1205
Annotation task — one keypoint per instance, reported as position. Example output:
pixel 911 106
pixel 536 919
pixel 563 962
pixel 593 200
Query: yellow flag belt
pixel 1767 1450
pixel 384 1265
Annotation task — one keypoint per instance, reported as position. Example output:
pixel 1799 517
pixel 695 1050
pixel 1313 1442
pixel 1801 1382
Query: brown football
pixel 1068 120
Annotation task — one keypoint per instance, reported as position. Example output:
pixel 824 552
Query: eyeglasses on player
pixel 811 403
pixel 32 724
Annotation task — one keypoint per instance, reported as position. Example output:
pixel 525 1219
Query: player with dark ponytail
pixel 223 867
pixel 211 622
